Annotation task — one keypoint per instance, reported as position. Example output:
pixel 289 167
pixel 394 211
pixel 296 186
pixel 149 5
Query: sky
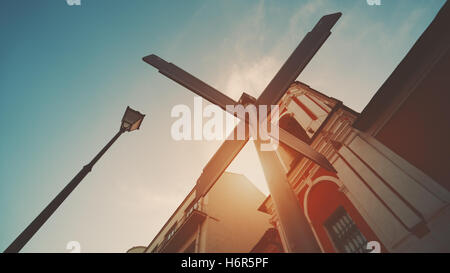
pixel 67 73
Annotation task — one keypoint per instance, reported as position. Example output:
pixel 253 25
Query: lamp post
pixel 131 121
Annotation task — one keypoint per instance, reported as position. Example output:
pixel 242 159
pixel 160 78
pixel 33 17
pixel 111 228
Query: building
pixel 322 122
pixel 392 182
pixel 224 219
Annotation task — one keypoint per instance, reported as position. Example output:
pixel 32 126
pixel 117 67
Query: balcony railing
pixel 184 228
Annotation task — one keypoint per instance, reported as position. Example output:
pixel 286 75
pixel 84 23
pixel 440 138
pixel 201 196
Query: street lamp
pixel 131 121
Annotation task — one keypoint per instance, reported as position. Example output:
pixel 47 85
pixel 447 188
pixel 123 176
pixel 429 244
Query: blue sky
pixel 67 74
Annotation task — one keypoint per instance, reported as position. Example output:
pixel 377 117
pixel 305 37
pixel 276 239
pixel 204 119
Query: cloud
pixel 360 54
pixel 253 64
pixel 250 77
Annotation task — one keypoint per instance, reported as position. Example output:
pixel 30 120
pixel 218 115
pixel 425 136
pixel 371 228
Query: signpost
pixel 296 231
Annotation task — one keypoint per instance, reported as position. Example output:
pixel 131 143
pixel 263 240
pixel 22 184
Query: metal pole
pixel 293 222
pixel 40 220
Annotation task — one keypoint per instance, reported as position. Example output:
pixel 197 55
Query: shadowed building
pixel 392 160
pixel 225 219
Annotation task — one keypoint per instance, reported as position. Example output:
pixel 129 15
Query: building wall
pixel 400 149
pixel 235 224
pixel 389 199
pixel 398 201
pixel 422 122
pixel 319 192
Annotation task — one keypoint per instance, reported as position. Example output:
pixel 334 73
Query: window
pixel 344 233
pixel 191 208
pixel 171 232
